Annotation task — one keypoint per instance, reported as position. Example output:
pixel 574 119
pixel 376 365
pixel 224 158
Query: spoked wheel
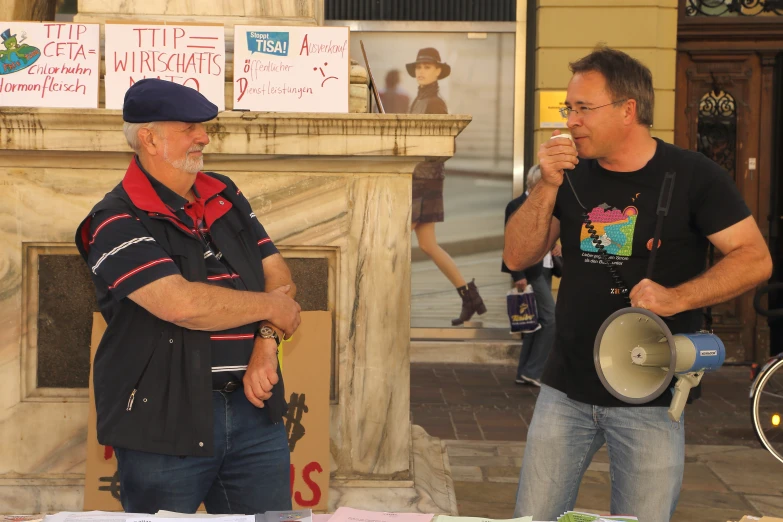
pixel 767 408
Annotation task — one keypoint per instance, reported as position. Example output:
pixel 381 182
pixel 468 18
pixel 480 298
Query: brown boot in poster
pixel 471 303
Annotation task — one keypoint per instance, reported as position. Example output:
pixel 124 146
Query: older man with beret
pixel 196 297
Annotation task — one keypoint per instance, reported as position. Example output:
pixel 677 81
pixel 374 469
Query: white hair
pixel 186 163
pixel 131 131
pixel 533 177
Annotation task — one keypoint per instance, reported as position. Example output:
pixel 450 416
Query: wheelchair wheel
pixel 767 408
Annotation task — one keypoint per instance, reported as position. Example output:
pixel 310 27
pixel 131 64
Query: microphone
pixel 564 135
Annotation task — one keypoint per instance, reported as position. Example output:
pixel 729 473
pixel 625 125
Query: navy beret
pixel 152 99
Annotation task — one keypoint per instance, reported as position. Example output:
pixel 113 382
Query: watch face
pixel 266 332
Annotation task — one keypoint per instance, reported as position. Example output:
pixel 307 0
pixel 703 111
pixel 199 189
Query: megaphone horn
pixel 637 357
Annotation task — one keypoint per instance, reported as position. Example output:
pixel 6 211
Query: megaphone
pixel 637 357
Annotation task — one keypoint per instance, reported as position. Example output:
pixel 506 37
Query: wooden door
pixel 718 102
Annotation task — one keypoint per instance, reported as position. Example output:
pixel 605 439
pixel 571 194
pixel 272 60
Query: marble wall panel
pixel 362 216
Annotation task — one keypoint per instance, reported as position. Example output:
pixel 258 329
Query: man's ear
pixel 149 140
pixel 629 112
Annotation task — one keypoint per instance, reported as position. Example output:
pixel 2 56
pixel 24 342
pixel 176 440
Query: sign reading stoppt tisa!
pixel 190 55
pixel 49 64
pixel 305 358
pixel 291 69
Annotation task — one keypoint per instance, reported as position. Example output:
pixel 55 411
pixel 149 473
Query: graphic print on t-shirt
pixel 614 227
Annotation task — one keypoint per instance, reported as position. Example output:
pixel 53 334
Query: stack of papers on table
pixel 445 518
pixel 299 515
pixel 346 514
pixel 343 514
pixel 576 516
pixel 162 516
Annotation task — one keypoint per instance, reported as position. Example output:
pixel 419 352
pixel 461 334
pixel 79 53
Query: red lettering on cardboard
pixel 316 491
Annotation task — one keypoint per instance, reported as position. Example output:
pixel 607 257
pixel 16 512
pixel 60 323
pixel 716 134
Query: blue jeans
pixel 537 345
pixel 646 457
pixel 249 473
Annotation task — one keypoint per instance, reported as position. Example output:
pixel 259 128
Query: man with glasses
pixel 617 169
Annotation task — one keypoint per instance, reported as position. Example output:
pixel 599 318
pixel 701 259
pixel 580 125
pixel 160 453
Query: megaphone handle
pixel 681 390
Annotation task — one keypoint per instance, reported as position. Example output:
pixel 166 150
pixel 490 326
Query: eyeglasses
pixel 565 112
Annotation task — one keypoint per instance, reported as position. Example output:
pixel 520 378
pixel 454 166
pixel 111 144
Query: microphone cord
pixel 616 277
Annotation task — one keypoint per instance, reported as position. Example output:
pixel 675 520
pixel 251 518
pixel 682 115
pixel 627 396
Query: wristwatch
pixel 267 332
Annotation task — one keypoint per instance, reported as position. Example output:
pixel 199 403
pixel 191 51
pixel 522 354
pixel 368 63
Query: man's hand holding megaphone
pixel 658 299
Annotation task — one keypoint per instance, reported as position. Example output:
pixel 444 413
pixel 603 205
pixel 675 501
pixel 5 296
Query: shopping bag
pixel 522 310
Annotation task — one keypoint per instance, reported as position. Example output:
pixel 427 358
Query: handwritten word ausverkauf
pixel 309 48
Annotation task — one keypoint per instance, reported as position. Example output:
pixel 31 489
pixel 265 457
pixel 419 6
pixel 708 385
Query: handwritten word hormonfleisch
pixel 48 86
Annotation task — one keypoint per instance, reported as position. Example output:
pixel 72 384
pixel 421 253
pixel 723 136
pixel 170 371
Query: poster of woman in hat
pixel 428 179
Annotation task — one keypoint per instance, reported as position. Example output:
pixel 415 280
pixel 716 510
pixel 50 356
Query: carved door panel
pixel 717 113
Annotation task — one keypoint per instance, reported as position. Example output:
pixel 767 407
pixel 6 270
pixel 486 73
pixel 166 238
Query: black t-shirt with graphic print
pixel 622 207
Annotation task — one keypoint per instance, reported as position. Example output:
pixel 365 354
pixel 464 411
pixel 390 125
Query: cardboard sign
pixel 307 422
pixel 102 482
pixel 49 65
pixel 191 55
pixel 291 69
pixel 306 375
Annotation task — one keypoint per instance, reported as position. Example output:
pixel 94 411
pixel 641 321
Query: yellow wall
pixel 645 29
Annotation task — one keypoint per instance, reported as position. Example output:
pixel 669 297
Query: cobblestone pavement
pixel 484 416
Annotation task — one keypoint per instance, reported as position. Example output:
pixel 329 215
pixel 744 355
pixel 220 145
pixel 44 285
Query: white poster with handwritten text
pixel 291 69
pixel 49 65
pixel 191 55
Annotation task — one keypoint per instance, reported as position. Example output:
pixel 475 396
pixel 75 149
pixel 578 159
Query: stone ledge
pixel 100 130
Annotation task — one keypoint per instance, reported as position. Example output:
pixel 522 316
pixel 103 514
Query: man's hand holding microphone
pixel 556 155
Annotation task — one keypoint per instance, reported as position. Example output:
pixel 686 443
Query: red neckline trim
pixel 143 195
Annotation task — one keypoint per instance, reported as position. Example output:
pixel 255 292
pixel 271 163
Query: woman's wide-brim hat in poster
pixel 429 55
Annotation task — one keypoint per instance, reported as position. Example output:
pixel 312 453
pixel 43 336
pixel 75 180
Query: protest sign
pixel 306 423
pixel 49 64
pixel 307 359
pixel 291 69
pixel 190 55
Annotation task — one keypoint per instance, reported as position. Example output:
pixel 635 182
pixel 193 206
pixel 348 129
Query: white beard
pixel 186 164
